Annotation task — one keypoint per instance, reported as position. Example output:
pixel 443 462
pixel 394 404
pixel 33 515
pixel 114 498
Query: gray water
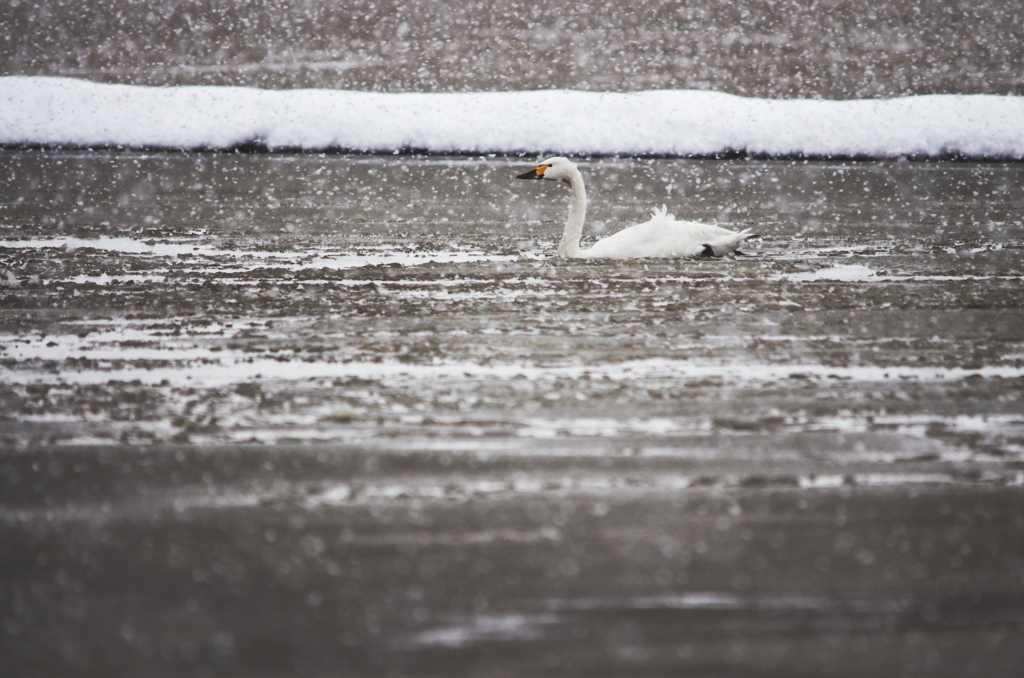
pixel 274 415
pixel 839 49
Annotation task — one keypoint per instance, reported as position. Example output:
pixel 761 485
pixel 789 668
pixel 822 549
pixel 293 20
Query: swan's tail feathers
pixel 745 235
pixel 727 244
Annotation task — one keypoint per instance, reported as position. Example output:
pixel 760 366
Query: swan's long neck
pixel 569 247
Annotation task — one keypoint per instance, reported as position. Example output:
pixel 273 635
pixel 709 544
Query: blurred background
pixel 836 49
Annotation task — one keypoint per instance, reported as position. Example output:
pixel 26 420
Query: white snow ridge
pixel 62 111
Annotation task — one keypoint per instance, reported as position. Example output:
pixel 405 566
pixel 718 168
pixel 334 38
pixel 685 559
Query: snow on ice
pixel 62 111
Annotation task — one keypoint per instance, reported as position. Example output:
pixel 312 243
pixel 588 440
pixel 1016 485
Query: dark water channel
pixel 267 415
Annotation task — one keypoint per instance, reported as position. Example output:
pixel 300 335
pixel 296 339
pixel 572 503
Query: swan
pixel 662 236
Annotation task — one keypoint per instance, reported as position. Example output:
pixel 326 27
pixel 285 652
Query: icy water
pixel 270 415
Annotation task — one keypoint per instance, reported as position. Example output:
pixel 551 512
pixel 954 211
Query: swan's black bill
pixel 534 173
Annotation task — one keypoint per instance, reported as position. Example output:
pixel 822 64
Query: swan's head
pixel 552 169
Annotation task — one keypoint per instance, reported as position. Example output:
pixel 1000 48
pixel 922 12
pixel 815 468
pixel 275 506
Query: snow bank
pixel 60 111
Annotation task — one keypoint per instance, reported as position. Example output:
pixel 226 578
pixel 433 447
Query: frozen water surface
pixel 321 414
pixel 62 111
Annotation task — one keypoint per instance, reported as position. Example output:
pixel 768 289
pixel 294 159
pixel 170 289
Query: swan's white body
pixel 662 236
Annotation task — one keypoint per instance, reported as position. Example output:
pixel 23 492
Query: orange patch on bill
pixel 541 170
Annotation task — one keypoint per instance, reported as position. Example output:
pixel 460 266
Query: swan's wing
pixel 712 231
pixel 635 241
pixel 662 236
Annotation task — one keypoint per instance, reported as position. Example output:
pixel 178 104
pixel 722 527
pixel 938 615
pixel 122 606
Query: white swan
pixel 662 236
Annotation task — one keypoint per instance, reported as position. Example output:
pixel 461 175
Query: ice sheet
pixel 64 111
